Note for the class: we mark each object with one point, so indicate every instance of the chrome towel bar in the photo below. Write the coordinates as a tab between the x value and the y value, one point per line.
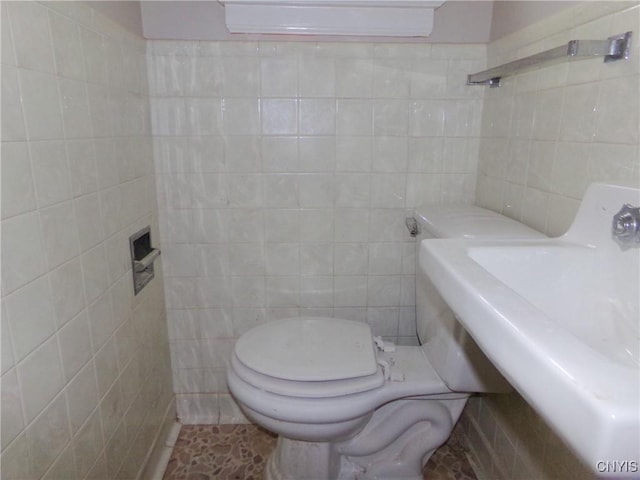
612	49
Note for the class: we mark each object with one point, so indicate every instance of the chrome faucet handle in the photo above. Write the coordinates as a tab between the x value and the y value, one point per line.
625	228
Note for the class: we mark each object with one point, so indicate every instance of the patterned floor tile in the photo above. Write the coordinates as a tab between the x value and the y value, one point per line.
239	452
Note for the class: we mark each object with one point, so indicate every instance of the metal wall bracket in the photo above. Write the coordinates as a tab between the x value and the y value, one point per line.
412	225
142	257
613	49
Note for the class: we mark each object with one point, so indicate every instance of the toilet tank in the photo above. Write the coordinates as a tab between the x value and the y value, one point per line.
450	349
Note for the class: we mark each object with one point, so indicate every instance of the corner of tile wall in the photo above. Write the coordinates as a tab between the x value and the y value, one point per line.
208	409
162	449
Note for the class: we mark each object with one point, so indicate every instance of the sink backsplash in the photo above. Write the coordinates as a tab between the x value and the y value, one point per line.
593	221
618	268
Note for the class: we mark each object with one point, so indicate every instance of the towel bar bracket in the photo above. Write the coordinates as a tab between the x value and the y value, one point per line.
620	46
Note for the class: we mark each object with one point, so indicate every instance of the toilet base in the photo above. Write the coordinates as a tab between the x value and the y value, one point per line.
395	445
298	460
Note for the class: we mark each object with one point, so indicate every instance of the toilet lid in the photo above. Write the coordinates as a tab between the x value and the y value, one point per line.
309	349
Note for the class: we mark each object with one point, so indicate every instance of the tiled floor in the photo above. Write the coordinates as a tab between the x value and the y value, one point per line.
239	452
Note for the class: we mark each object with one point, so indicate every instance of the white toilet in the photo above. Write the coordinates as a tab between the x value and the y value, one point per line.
347	405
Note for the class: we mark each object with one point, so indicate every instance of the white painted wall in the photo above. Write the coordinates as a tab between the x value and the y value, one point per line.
124	13
509	17
455	22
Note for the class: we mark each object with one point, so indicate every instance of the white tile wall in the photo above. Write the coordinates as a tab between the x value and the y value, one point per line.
545	136
284	174
85	379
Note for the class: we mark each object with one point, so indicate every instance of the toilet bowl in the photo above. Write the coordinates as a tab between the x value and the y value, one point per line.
348	405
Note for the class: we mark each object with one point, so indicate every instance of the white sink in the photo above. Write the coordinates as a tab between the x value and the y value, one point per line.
560	319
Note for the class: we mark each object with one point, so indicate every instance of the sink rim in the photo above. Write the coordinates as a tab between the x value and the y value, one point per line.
604	399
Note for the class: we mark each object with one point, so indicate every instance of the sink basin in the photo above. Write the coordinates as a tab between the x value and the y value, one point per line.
560	319
560	281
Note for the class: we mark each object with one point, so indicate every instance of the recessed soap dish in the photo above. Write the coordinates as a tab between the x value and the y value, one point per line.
142	258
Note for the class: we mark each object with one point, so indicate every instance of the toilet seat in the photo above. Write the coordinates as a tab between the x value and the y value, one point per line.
317	389
309	357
